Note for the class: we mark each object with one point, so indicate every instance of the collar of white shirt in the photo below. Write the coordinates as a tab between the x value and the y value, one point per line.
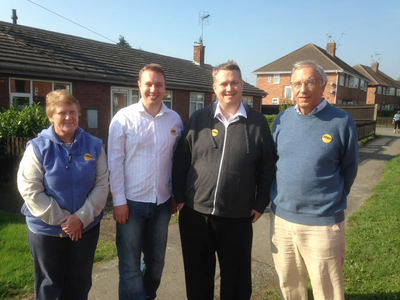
240	112
316	109
142	109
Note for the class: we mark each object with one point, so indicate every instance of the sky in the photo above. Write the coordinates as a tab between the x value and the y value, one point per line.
254	33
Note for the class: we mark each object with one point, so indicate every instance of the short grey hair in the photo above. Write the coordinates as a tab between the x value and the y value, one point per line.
315	65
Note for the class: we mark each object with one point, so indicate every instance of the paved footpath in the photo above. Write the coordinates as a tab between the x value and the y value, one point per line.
373	157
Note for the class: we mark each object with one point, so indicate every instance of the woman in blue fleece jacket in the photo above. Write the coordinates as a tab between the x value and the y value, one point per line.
63	178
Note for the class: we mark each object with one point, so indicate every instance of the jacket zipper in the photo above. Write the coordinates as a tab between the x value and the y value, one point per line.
219	171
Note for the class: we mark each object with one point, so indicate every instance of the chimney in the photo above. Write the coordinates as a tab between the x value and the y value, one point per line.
375	66
198	53
14	16
331	48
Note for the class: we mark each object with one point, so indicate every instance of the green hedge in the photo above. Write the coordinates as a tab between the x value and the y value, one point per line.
26	121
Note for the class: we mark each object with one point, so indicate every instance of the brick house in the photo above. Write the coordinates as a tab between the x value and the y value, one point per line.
102	76
345	85
382	89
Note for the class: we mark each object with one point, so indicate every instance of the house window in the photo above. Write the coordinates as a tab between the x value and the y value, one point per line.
398	92
341	79
351	83
247	100
276	78
356	82
379	90
288	92
196	102
384	90
92	118
275	101
27	91
122	97
346	83
391	91
269	78
167	100
362	84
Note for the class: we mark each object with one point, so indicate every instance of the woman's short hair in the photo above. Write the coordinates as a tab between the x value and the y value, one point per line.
60	96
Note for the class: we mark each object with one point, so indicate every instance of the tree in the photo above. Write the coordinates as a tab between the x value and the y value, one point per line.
122	42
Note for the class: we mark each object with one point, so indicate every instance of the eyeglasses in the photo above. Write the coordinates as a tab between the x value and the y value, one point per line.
310	84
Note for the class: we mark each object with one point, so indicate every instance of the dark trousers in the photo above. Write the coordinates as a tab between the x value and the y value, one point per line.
396	125
202	236
63	268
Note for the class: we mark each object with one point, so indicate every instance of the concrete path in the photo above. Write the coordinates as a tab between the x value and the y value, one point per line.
373	157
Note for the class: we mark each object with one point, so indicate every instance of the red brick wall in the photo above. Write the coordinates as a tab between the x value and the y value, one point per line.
94	95
273	90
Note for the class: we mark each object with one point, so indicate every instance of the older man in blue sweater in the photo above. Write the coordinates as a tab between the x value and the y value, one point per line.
317	159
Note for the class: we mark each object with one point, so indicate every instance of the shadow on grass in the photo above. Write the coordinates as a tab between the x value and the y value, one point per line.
378	296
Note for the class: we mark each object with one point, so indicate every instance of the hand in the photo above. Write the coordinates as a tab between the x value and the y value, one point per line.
72	226
180	206
256	215
173	205
121	213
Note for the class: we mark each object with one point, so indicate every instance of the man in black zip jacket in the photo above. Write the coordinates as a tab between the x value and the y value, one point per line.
223	168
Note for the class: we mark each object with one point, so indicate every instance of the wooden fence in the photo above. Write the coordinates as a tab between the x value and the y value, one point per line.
11	151
365	118
384	121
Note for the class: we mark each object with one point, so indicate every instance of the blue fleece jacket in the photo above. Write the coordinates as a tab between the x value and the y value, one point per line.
317	161
69	174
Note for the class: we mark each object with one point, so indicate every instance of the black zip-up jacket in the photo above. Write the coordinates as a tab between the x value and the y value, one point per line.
226	173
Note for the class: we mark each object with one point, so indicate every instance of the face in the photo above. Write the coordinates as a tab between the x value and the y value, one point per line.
65	119
152	88
228	87
307	88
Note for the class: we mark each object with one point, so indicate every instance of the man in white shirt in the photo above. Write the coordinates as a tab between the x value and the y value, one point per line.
141	143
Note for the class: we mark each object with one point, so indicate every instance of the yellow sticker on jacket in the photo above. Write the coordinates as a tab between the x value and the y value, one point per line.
326	138
214	132
173	131
88	157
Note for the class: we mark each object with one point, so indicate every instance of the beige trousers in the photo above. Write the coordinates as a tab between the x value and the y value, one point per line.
317	250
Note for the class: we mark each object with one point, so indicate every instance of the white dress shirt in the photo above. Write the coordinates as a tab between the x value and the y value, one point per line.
140	153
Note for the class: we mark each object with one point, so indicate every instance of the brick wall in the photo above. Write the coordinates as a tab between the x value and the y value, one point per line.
273	90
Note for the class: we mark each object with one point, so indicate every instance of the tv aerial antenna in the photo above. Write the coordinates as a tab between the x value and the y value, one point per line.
203	20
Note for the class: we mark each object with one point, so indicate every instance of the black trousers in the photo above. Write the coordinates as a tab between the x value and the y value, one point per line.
204	235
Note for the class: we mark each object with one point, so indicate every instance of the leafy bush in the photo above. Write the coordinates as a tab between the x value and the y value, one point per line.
386	113
27	121
270	119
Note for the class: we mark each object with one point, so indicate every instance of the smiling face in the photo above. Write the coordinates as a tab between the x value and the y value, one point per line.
307	88
65	119
152	88
228	87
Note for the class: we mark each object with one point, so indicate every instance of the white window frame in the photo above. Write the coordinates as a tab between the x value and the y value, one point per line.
269	78
392	91
277	78
398	92
379	90
362	87
30	94
198	103
168	102
131	92
288	88
276	100
351	82
356	81
247	100
346	81
341	79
